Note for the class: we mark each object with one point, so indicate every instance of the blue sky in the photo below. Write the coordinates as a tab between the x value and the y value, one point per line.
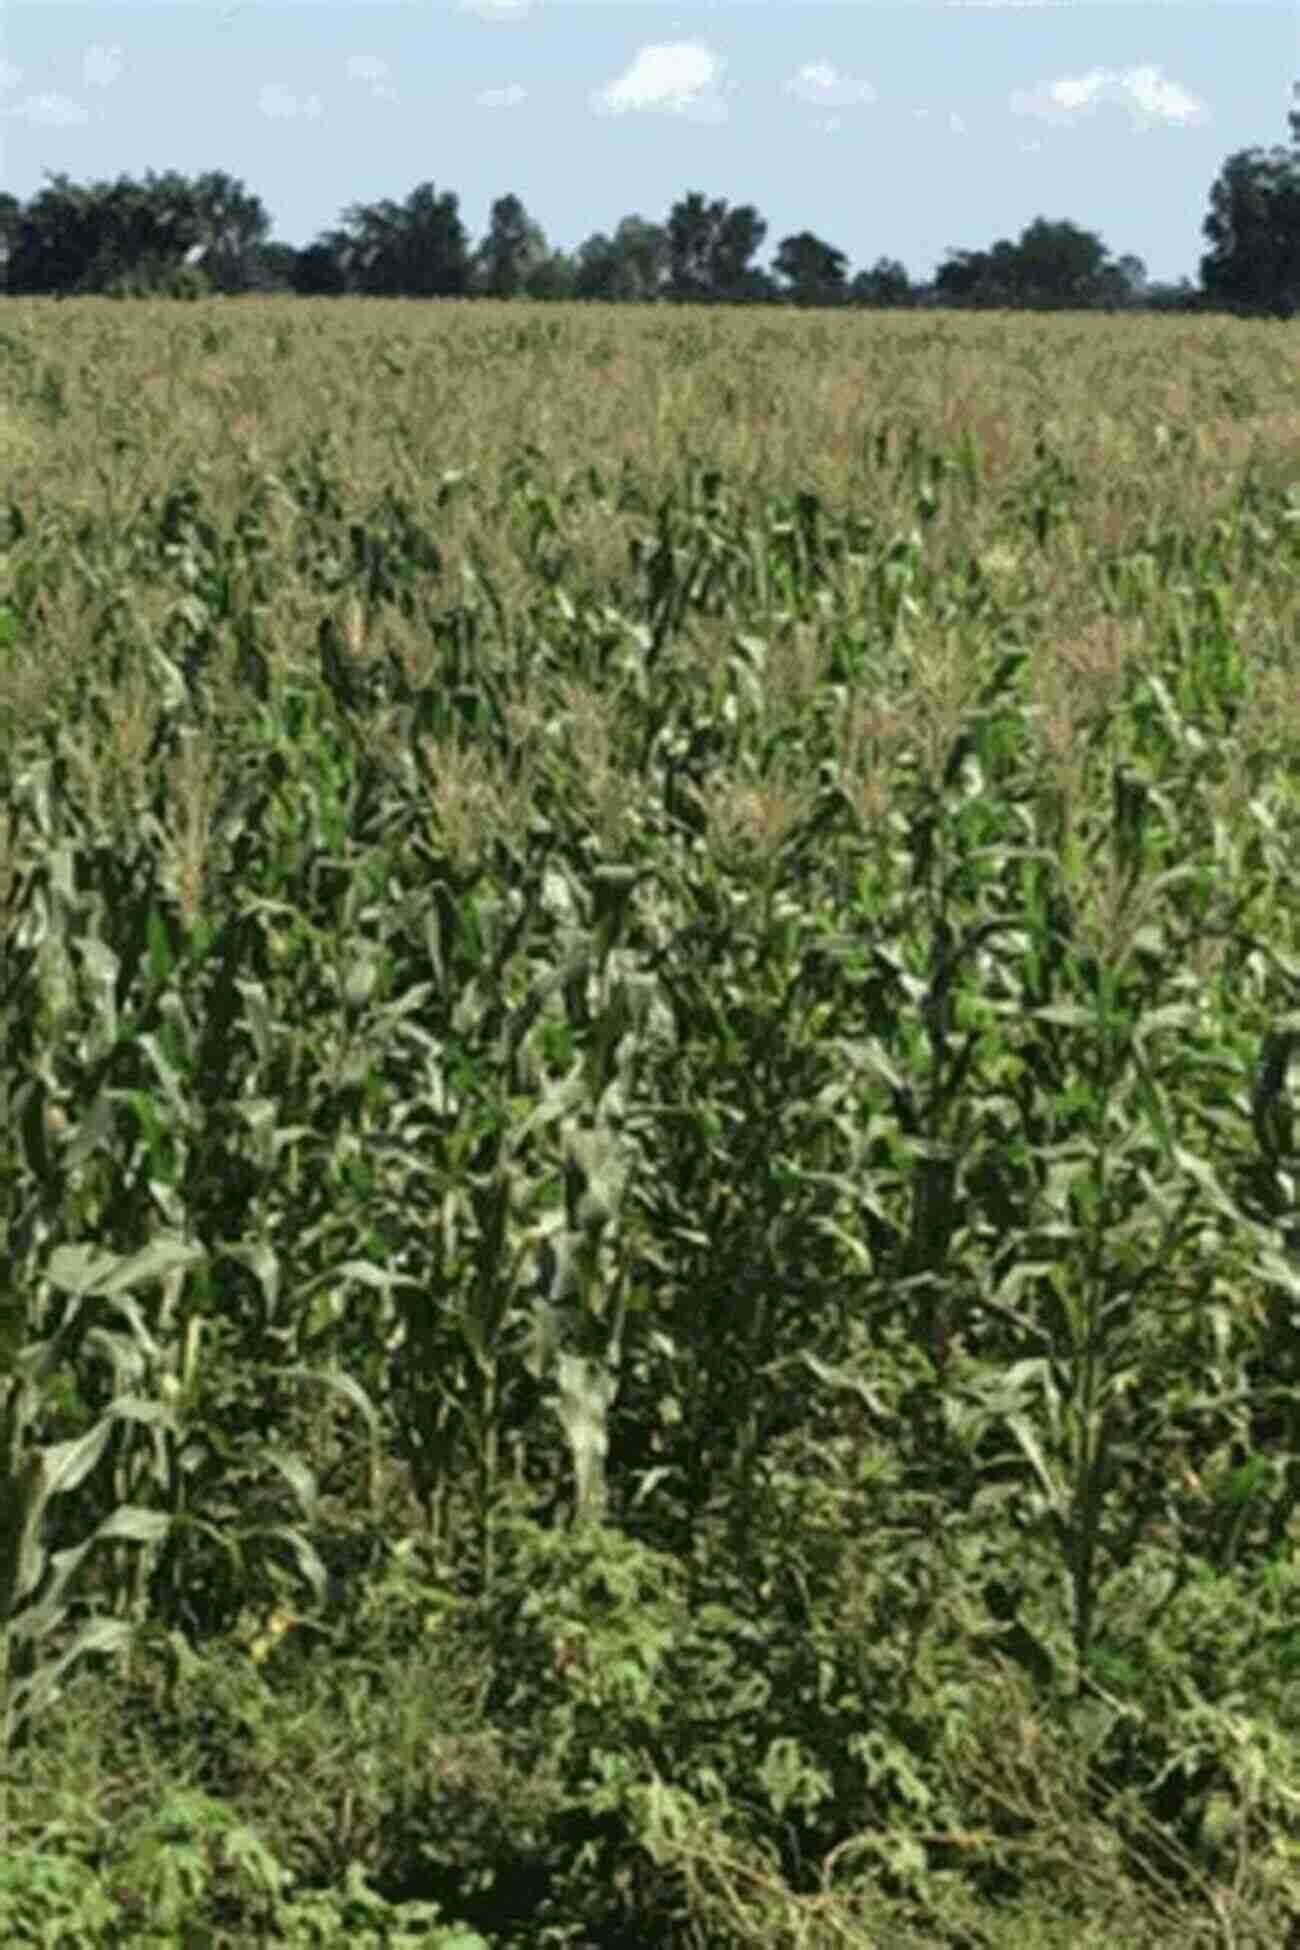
896	131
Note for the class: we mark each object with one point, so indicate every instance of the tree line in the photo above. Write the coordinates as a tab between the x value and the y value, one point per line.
172	235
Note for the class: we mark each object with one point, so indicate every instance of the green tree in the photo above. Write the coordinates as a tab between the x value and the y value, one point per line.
644	249
319	271
145	233
1059	264
974	277
599	272
1253	229
272	267
1121	286
551	277
102	237
709	248
513	245
1052	264
233	228
418	249
10	215
630	267
815	272
885	284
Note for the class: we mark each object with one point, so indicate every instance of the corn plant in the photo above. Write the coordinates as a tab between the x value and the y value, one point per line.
749	1012
37	1586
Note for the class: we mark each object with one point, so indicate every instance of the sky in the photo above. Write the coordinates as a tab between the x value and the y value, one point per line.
903	131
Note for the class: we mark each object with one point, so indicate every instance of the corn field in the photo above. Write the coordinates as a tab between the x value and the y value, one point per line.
647	985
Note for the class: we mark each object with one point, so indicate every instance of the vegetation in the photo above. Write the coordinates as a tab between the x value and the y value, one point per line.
647	1178
182	238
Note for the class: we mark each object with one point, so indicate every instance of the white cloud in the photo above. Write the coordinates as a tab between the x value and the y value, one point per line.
1143	90
497	9
100	66
50	112
279	104
670	78
818	82
501	97
1160	98
10	76
370	68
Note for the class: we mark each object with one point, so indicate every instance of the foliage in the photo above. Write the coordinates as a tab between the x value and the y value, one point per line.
732	1084
132	237
175	237
1253	229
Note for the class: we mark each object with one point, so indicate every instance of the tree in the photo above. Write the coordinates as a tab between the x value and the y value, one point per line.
599	273
1123	285
737	237
966	277
49	239
690	239
1052	264
513	245
318	271
1059	264
643	248
886	283
1180	297
129	237
709	248
272	267
1253	229
1125	281
73	237
415	250
551	277
10	216
815	272
233	227
628	268
144	231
